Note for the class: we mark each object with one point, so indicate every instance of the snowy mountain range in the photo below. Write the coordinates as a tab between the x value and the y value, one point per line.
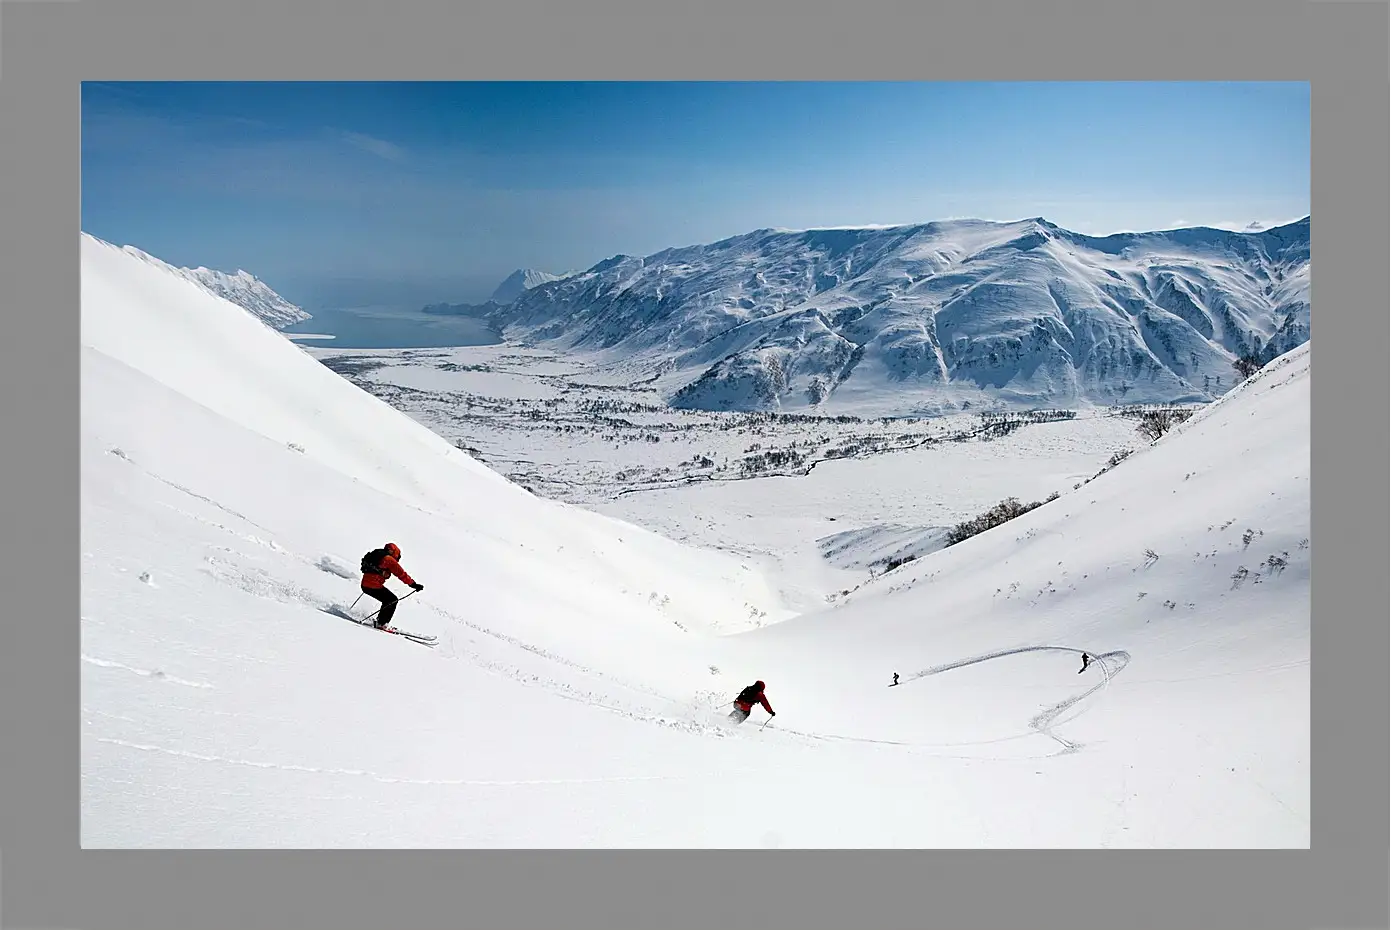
935	317
243	289
924	319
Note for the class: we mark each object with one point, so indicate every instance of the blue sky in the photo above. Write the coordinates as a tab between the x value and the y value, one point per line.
382	193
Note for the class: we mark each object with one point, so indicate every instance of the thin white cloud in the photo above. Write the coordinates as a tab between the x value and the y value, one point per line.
379	147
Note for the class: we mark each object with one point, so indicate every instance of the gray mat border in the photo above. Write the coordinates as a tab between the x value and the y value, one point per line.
47	46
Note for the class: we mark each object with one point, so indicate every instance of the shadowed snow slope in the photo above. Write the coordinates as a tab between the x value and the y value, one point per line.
230	483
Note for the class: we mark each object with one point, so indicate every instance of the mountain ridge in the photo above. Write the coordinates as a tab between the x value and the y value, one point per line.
241	288
520	281
934	316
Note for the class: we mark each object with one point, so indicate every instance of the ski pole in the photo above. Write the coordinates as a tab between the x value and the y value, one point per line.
765	723
354	603
379	609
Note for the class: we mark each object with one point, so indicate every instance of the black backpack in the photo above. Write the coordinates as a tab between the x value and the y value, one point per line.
749	695
372	562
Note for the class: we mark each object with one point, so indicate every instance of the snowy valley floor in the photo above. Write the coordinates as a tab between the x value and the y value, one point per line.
230	483
822	504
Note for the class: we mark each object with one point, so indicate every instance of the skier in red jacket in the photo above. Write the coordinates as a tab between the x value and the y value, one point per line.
377	566
743	704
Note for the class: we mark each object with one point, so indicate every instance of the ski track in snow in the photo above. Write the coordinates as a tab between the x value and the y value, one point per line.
270	544
1043	722
178	487
142	789
155	674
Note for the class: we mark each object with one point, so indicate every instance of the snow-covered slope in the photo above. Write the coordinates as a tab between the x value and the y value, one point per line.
926	318
520	281
243	289
1184	570
229	484
197	393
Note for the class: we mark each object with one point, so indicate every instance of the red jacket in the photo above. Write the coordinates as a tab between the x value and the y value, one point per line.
388	565
762	699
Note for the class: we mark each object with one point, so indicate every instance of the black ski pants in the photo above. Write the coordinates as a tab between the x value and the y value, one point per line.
388	600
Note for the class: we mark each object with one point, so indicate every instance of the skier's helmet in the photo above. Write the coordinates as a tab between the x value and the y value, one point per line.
759	685
393	550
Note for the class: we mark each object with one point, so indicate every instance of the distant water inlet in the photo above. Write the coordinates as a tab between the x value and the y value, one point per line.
390	328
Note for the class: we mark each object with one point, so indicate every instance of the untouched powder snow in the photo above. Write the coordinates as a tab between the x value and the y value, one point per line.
230	483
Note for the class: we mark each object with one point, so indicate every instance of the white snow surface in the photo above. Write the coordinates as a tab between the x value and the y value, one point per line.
230	483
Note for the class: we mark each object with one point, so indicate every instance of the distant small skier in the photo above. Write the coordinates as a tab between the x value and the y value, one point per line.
1086	660
377	566
895	679
743	704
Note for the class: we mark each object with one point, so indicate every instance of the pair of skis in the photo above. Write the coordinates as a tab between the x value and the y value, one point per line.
415	637
422	638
